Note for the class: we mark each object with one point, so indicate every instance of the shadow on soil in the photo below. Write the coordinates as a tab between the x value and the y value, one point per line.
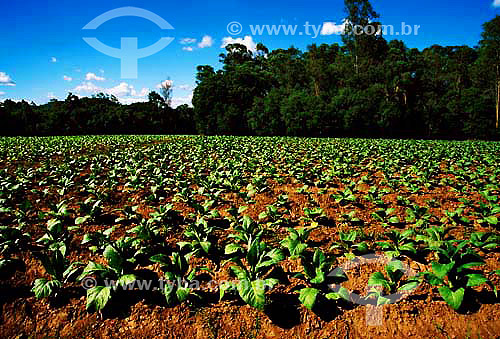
283	310
9	293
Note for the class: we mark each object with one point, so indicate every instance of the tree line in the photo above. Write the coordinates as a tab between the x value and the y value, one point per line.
99	114
365	87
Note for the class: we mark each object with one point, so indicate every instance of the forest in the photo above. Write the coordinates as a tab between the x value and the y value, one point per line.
365	87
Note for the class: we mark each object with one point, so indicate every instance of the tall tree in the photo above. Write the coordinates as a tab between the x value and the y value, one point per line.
490	50
362	32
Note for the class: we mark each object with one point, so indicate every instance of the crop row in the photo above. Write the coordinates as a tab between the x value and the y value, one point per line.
183	207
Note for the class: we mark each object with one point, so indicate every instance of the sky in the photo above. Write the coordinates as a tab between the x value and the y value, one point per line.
43	55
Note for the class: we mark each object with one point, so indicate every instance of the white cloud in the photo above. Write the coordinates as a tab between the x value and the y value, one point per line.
92	76
51	95
165	82
53	59
6	80
187	49
121	90
247	41
177	101
330	28
124	92
87	87
2	93
67	78
143	92
128	101
206	41
188	41
496	3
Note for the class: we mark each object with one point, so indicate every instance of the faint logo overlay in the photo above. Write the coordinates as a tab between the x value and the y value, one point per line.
128	53
234	28
374	310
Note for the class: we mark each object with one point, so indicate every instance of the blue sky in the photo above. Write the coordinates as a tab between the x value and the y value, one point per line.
43	54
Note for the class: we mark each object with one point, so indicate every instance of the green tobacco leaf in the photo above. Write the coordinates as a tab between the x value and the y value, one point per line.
170	293
252	254
384	245
276	255
308	297
408	248
383	301
98	297
183	293
337	273
394	220
205	245
394	266
55	226
378	279
91	269
126	279
476	279
454	299
81	220
363	247
469	265
161	259
492	220
301	247
253	293
232	248
72	270
44	287
113	257
409	286
239	272
441	270
344	293
490	246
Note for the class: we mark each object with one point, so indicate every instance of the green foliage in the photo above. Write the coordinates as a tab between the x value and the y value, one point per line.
317	274
391	283
399	243
12	240
296	241
53	258
117	272
200	234
178	276
205	175
454	272
91	209
251	273
350	245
